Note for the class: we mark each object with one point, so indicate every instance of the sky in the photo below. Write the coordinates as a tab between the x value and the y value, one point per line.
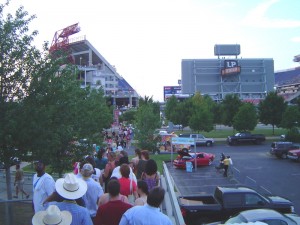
147	40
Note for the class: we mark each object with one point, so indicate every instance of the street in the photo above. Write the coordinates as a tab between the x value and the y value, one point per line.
253	167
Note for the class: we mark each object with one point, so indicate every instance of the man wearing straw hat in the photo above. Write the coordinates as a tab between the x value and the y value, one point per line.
52	216
71	188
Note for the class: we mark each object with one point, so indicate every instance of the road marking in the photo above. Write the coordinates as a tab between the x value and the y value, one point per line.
266	189
251	179
295	174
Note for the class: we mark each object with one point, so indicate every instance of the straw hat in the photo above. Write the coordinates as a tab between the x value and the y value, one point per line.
70	187
52	216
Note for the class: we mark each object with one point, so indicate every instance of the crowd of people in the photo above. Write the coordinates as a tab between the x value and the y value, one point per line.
108	189
120	139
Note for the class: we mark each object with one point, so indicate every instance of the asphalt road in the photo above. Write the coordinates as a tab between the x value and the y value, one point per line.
253	166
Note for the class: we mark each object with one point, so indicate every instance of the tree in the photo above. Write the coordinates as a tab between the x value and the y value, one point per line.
128	116
18	59
246	118
291	117
171	109
271	109
147	120
59	113
183	112
201	118
229	108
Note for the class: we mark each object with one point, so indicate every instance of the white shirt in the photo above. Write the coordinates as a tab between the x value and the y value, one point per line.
97	176
42	187
116	173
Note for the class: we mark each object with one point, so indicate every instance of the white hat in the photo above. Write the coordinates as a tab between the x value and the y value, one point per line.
87	170
70	187
52	216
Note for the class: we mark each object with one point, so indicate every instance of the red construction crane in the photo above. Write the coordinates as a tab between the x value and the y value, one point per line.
61	38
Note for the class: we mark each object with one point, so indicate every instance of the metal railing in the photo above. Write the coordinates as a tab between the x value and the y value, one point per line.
171	203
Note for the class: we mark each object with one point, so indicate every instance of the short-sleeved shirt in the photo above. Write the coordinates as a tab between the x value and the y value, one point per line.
92	195
80	215
43	187
111	212
125	186
144	215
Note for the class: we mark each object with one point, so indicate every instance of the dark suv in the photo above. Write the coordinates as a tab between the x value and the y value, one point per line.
280	149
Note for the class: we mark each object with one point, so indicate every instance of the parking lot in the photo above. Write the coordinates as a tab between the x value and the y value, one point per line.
253	166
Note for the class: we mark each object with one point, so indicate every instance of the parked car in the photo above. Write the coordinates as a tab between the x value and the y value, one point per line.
202	158
294	154
281	148
267	216
245	137
226	202
199	139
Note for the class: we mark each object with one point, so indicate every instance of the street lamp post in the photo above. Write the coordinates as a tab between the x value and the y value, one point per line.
85	76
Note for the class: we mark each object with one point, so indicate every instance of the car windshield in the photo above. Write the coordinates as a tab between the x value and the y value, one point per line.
236	219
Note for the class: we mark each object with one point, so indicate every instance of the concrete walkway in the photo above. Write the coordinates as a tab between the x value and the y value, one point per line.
27	184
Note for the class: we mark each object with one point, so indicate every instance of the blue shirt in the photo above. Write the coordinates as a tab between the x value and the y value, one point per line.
92	195
80	215
144	215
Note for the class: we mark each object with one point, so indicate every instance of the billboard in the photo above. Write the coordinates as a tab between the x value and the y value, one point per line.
230	67
171	90
234	49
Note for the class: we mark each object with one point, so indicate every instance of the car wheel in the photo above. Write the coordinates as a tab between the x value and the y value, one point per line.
208	144
284	156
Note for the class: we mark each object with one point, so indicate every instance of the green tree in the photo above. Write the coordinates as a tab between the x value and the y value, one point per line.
201	118
18	59
128	116
171	109
59	112
229	108
246	118
271	109
183	112
147	120
291	117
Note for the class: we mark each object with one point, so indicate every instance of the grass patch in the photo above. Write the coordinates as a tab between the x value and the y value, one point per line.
224	132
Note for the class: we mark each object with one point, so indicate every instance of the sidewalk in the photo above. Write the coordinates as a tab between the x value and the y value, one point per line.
27	183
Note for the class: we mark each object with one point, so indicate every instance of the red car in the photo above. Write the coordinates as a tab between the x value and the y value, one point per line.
203	159
294	154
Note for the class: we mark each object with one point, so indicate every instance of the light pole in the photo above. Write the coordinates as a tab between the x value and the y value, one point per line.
85	76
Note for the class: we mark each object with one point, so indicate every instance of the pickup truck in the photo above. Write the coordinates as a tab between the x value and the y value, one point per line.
199	139
245	137
226	202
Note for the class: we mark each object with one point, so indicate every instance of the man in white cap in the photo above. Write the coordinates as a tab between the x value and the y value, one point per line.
52	216
71	188
94	190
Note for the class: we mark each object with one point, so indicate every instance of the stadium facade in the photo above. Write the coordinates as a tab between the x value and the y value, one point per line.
251	79
287	84
95	71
